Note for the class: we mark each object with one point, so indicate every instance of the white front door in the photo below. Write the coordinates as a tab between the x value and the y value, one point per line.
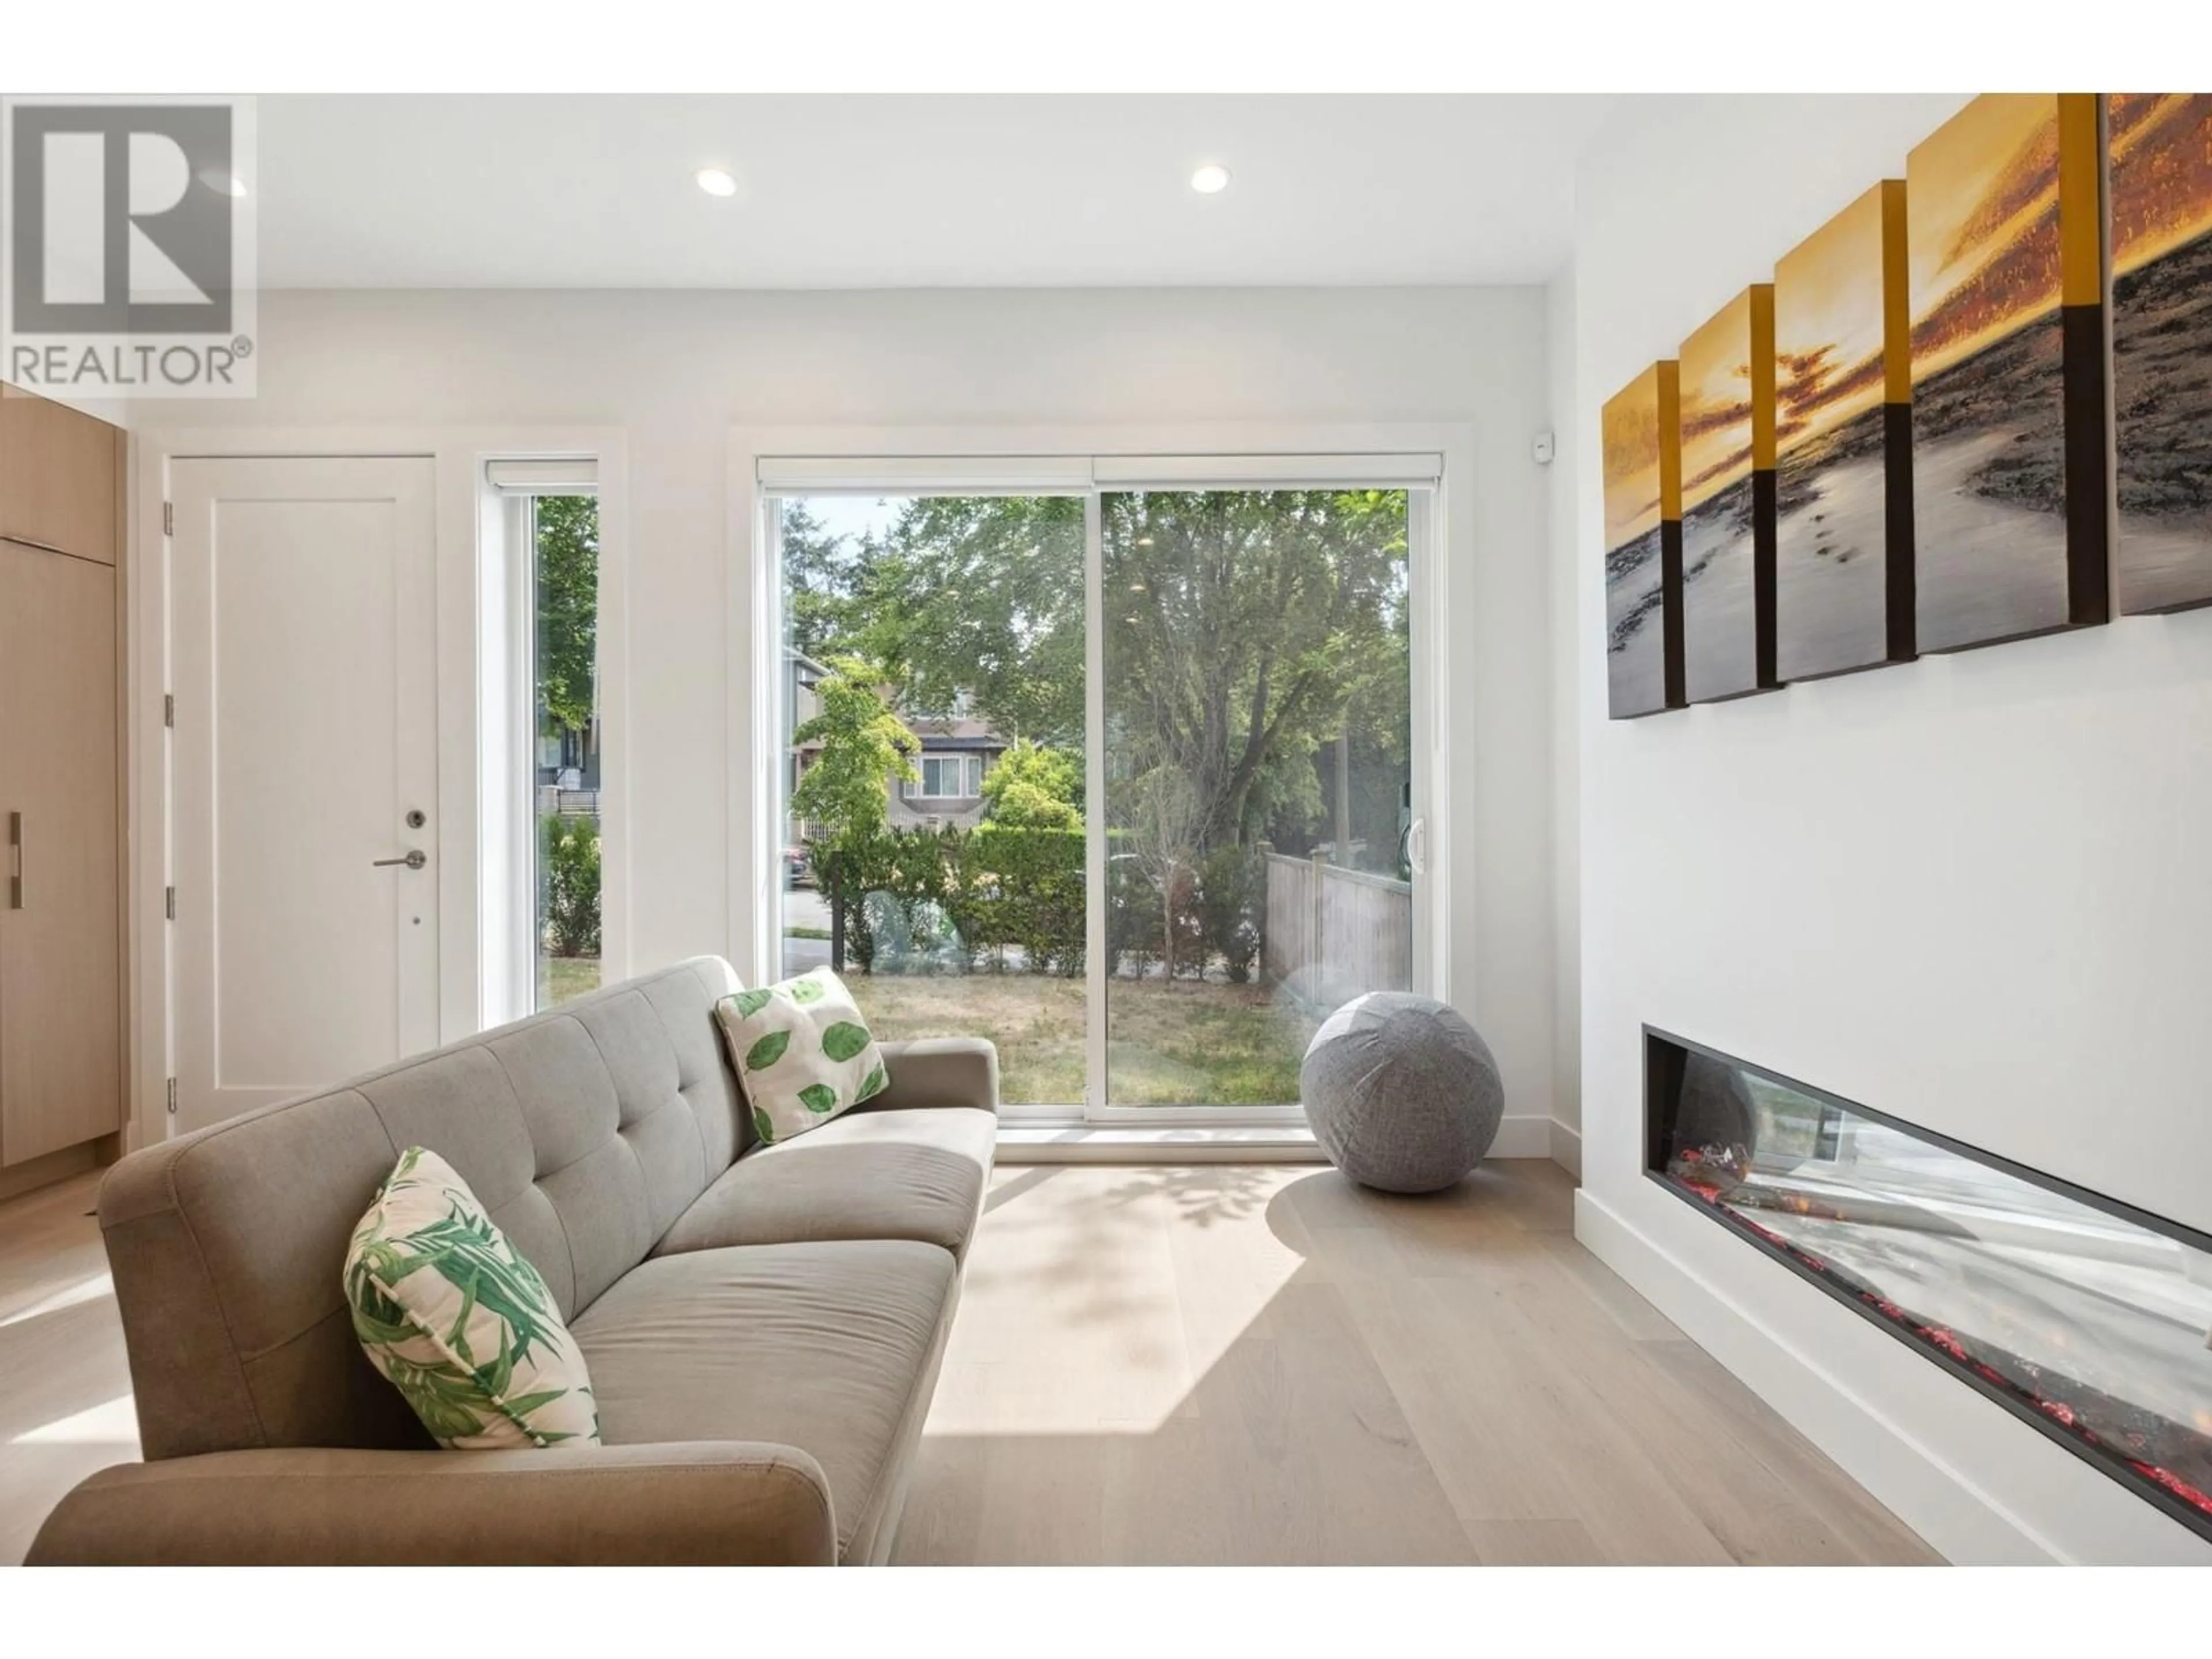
304	783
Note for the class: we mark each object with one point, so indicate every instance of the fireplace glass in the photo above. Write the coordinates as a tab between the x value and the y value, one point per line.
2089	1318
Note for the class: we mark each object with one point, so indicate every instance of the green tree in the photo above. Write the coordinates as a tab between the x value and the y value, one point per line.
568	532
1033	788
820	568
983	594
864	745
1245	631
1242	628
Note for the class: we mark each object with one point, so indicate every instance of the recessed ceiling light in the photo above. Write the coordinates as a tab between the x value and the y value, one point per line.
221	183
716	182
1210	180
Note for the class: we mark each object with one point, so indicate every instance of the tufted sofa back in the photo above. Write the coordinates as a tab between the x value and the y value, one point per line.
585	1131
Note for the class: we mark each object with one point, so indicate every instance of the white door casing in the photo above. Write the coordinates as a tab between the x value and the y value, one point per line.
303	628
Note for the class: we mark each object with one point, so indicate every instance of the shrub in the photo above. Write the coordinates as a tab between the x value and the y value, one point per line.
1231	908
935	900
1032	788
568	885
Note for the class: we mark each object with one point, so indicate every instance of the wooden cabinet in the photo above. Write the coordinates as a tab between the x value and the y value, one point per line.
59	473
62	1095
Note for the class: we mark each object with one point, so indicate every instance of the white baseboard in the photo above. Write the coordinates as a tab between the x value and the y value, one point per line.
1567	1148
1201	1144
1021	1143
1522	1137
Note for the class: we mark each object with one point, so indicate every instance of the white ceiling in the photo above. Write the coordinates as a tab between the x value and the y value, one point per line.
577	191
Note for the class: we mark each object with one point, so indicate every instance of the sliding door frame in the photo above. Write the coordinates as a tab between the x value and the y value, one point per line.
1088	462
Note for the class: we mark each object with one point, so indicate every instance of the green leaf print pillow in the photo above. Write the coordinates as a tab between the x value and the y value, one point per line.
457	1322
802	1052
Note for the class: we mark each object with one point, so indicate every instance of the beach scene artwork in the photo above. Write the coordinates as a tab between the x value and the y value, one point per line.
1843	572
1642	545
2003	234
1726	416
2160	195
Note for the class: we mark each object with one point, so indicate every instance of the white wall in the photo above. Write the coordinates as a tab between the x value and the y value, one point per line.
676	371
1973	891
1566	731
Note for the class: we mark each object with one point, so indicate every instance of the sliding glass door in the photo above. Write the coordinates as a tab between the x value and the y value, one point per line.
1257	724
1124	778
934	716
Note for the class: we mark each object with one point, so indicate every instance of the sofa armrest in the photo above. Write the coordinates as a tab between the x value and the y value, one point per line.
703	1502
939	1072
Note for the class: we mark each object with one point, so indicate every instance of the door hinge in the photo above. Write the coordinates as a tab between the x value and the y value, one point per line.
173	1096
168	518
170	899
168	708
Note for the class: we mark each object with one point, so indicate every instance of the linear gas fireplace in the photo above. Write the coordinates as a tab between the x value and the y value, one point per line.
2087	1317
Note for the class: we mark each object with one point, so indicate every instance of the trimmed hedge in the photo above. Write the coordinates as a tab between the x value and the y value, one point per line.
963	899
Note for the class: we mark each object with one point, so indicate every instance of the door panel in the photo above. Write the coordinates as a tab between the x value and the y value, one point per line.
60	1020
303	631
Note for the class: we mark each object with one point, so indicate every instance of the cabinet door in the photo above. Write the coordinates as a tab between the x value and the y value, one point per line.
61	1036
57	477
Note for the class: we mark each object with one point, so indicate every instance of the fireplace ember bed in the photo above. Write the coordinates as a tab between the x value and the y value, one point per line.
2083	1315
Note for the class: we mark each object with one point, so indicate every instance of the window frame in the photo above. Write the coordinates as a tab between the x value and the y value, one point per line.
511	487
971	769
769	464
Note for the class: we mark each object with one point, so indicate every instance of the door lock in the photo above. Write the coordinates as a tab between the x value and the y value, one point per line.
415	860
417	819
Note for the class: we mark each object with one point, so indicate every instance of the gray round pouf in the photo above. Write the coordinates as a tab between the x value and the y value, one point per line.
1402	1092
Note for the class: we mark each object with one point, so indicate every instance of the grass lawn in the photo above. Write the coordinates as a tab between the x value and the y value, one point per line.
562	978
1167	1045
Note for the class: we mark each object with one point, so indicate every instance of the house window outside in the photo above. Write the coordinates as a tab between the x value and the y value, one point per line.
951	777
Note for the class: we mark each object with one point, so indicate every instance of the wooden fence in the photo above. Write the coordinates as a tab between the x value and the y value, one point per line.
1334	933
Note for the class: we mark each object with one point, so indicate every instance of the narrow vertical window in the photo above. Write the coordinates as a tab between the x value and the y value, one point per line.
565	778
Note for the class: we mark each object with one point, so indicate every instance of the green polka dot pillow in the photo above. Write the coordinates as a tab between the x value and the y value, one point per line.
802	1052
462	1326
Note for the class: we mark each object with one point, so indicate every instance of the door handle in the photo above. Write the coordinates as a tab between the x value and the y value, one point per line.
415	858
15	861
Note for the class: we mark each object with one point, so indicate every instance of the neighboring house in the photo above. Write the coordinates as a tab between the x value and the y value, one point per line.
956	751
569	771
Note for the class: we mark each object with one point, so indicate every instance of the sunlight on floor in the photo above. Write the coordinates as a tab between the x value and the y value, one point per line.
1116	1340
69	1295
112	1422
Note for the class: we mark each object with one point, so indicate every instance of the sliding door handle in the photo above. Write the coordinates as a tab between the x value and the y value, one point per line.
15	861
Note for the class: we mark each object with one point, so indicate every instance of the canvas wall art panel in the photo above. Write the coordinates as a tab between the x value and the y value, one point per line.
1643	545
2003	232
1844	575
1728	500
2161	192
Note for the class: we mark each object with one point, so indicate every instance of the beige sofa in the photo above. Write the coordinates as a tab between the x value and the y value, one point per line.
763	1325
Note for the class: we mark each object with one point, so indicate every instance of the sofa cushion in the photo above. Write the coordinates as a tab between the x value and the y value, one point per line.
456	1321
915	1175
830	1347
802	1052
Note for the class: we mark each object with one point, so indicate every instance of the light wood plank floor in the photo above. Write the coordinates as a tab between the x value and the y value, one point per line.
1219	1364
1252	1364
